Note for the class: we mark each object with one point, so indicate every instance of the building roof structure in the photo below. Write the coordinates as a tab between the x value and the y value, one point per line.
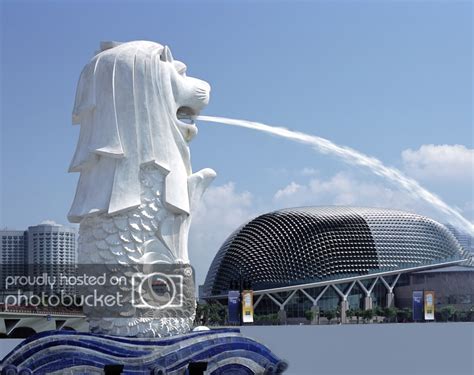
311	244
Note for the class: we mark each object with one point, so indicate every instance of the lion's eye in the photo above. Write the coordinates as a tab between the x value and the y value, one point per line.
180	67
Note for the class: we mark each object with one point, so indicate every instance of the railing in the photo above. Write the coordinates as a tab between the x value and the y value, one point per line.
38	310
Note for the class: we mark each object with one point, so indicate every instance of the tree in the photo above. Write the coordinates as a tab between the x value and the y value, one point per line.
210	314
367	315
358	314
461	316
268	319
350	313
405	314
330	315
447	312
202	314
470	316
217	314
309	314
390	313
379	311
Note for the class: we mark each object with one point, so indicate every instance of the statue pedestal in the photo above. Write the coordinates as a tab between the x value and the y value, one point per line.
222	351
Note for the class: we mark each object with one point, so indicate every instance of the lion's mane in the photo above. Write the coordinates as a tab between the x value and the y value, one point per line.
124	105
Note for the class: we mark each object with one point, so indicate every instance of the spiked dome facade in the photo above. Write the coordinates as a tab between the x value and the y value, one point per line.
310	244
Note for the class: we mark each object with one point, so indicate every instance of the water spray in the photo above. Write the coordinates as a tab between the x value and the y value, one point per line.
354	157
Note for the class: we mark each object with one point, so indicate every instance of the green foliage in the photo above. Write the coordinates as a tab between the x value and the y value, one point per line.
469	315
330	315
447	312
309	314
390	313
269	319
379	311
202	312
462	316
367	315
405	315
217	314
210	314
358	314
350	313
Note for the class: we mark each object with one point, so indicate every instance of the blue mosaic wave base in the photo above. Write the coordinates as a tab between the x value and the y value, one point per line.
226	351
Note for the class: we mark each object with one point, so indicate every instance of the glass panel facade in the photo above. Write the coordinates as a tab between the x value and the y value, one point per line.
329	301
266	306
314	292
367	283
356	297
390	279
298	306
379	294
343	287
282	296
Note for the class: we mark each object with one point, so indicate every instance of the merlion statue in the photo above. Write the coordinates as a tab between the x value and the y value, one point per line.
136	191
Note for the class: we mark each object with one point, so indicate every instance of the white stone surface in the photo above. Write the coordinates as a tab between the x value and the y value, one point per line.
136	192
201	328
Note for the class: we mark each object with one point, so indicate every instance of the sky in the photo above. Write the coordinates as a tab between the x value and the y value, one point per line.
391	79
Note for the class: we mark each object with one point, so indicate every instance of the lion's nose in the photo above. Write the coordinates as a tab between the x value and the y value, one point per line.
201	95
203	85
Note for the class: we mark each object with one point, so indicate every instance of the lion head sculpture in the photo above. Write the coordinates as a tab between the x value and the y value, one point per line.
129	100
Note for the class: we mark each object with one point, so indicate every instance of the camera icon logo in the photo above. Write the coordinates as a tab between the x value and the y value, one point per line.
157	290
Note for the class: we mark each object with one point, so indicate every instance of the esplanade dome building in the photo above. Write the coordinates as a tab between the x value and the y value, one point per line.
354	255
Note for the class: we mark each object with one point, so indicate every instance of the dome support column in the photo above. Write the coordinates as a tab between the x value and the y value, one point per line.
344	305
315	307
368	301
390	297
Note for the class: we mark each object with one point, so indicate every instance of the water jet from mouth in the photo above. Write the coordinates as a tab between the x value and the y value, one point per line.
355	157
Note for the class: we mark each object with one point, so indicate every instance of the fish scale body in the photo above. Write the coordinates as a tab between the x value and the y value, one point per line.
123	239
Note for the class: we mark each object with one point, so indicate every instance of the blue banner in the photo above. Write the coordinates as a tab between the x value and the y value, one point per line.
418	305
233	304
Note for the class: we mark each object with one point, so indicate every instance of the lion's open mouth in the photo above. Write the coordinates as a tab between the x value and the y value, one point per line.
185	120
186	114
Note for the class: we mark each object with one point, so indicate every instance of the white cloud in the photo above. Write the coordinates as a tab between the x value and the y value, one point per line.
221	211
49	222
344	189
288	190
440	162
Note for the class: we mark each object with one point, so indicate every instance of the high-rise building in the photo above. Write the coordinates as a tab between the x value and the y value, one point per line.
51	244
13	254
52	250
44	248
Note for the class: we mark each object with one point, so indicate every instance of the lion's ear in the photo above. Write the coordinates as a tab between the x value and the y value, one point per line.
105	45
166	55
180	67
